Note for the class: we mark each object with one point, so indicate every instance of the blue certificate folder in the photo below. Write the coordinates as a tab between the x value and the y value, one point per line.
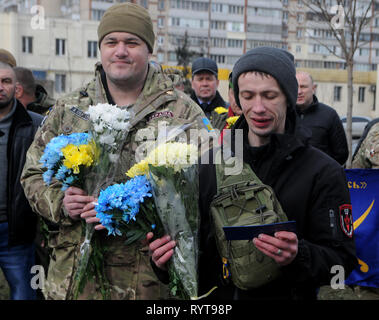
250	232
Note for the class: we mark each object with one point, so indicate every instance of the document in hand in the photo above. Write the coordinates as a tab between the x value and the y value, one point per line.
250	232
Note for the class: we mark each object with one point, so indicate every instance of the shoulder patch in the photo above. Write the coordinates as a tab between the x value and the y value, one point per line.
346	219
43	121
79	113
207	124
162	114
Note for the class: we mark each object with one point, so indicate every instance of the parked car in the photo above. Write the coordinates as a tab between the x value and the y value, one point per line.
358	125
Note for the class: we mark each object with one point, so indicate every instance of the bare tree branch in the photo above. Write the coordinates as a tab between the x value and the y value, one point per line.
357	16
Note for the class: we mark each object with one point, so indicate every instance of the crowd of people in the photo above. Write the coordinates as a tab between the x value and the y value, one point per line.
291	142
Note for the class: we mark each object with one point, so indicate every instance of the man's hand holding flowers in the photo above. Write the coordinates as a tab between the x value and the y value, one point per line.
75	200
161	250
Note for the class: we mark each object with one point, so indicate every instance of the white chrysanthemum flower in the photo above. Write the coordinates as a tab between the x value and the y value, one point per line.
114	157
107	139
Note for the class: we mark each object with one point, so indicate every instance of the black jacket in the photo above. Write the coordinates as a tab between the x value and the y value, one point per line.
21	219
328	134
309	184
217	120
217	101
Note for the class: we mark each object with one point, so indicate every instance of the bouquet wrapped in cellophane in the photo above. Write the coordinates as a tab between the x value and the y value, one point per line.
128	209
109	127
173	174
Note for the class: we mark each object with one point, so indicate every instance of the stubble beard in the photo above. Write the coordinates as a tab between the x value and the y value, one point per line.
5	104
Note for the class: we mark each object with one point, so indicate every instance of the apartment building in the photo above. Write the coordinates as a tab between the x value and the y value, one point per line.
307	39
64	48
220	29
56	39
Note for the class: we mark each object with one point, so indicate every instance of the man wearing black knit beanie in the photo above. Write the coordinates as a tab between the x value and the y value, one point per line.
310	186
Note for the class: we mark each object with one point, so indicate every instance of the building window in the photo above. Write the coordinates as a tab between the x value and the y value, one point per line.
27	44
160	40
92	49
60	83
144	4
285	16
161	5
364	51
160	57
361	94
97	14
218	58
39	75
217	7
337	93
234	43
160	23
172	56
60	47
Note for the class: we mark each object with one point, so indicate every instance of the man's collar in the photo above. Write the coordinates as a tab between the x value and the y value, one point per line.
207	102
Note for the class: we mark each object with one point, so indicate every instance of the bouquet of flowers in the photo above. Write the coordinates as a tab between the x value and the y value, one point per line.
172	172
68	159
128	208
109	126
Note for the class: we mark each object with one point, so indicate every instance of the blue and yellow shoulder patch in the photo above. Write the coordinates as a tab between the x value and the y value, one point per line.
207	124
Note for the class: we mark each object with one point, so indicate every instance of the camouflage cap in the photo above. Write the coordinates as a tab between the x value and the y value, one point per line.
7	57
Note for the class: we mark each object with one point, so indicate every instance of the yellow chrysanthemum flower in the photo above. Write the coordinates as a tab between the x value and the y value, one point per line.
173	154
138	169
74	156
231	120
220	110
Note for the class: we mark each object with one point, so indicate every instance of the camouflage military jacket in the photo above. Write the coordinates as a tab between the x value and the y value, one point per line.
128	268
367	156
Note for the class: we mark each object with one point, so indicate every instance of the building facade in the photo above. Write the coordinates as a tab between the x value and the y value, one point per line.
57	39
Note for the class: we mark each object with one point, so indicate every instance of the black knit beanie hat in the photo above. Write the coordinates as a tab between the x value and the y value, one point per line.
276	62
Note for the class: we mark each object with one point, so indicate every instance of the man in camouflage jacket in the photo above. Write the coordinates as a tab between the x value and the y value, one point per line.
124	57
367	152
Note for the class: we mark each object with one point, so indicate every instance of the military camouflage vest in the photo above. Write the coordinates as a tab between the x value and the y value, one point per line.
367	155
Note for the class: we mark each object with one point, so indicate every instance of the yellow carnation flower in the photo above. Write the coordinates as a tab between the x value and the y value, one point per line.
220	110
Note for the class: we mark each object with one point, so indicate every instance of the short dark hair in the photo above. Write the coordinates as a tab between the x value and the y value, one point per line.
25	77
